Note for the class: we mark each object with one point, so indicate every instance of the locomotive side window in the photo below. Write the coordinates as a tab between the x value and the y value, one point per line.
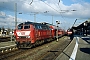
48	28
26	27
44	27
36	26
40	27
20	27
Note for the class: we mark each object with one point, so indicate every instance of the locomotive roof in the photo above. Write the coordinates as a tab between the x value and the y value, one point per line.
26	23
48	24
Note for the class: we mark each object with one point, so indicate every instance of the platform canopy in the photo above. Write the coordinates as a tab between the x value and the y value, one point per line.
85	24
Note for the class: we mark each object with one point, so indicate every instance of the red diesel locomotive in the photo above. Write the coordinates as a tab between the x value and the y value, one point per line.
30	34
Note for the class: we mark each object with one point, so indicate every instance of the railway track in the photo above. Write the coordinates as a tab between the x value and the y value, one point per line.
6	38
14	52
47	51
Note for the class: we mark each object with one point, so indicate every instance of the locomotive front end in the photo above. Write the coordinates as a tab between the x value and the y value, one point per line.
23	35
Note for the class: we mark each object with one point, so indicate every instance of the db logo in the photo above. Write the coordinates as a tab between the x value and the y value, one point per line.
22	33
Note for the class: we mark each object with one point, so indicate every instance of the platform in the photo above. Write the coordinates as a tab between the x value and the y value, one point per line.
78	49
4	46
9	43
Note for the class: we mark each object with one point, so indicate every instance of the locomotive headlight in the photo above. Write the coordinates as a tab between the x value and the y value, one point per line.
28	36
17	37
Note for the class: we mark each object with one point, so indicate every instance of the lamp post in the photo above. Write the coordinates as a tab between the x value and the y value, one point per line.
52	19
58	22
34	13
15	15
51	15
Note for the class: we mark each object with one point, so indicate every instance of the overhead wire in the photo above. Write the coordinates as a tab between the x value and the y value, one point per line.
7	8
51	7
57	4
31	2
57	10
60	10
32	13
35	12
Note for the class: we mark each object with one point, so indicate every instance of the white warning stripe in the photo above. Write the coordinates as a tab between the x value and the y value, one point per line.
23	33
73	55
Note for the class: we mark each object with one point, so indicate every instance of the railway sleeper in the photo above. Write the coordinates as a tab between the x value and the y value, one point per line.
9	49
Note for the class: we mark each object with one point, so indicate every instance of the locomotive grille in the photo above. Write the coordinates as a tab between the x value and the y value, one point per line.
24	36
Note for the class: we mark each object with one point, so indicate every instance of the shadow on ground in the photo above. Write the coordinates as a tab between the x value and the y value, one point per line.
87	39
85	50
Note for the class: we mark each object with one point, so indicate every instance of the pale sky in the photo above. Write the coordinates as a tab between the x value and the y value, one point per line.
61	10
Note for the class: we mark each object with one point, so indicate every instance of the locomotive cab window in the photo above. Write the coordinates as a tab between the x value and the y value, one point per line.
26	26
20	27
